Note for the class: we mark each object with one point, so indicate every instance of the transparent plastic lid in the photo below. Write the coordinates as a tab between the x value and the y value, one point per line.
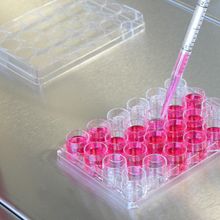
50	40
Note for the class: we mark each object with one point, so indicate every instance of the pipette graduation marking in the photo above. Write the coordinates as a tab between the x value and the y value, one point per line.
185	51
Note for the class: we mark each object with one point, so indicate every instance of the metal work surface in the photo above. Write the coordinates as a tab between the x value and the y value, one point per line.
34	123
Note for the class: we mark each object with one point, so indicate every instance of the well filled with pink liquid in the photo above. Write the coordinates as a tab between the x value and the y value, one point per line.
116	145
154	136
136	133
98	134
155	142
175	112
194	100
175	132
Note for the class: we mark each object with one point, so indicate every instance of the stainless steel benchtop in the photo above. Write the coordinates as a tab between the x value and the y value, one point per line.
33	123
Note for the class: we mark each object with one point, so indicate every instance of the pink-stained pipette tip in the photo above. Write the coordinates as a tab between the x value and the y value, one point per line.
185	52
179	68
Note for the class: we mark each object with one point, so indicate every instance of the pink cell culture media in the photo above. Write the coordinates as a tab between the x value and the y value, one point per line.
134	153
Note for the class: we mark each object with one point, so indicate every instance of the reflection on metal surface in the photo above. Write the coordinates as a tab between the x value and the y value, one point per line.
96	186
32	127
6	203
89	195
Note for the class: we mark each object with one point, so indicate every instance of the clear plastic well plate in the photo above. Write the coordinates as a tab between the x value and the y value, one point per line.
50	40
116	197
134	154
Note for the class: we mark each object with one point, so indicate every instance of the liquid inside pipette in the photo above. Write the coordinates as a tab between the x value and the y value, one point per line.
178	71
185	52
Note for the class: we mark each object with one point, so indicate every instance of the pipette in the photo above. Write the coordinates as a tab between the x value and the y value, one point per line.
185	51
